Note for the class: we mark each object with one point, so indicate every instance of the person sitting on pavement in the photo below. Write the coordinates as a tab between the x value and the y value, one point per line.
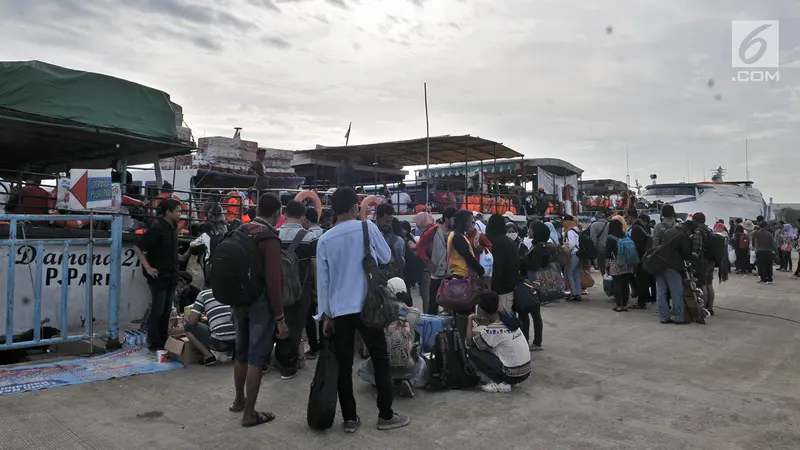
218	334
185	292
406	367
497	348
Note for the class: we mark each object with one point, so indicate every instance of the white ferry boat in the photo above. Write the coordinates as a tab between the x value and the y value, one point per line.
717	199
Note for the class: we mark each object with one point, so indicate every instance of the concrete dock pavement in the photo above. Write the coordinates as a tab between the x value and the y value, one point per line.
605	380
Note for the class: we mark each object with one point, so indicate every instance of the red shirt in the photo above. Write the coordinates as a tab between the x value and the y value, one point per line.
271	254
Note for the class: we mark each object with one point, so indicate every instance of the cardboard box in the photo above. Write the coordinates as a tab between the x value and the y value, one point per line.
181	349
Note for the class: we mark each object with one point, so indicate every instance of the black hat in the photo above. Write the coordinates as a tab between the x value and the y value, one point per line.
568	217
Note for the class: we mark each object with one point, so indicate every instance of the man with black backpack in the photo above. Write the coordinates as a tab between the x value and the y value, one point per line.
598	232
246	275
708	254
299	248
341	291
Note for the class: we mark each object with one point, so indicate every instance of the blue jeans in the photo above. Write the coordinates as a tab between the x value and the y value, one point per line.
670	279
255	331
573	274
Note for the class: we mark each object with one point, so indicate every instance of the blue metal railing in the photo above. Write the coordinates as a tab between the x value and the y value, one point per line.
115	241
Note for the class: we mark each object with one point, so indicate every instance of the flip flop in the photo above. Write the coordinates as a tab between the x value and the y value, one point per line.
261	418
235	408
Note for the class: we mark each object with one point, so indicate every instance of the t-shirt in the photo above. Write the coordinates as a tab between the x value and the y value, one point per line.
511	347
401	200
218	315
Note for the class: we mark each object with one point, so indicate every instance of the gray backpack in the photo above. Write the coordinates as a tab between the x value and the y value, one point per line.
290	264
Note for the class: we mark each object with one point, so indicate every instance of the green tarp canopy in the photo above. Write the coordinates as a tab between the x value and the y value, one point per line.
53	115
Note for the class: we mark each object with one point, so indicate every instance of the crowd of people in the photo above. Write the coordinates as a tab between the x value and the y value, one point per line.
309	279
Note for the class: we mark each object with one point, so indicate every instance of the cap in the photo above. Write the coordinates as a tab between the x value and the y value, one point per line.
396	285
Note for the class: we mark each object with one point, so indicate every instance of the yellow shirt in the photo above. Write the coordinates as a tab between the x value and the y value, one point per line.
458	265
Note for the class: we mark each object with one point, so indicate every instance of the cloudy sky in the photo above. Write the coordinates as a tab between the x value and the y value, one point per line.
574	79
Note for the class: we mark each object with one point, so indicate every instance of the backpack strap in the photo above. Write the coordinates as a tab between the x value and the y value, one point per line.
365	232
298	239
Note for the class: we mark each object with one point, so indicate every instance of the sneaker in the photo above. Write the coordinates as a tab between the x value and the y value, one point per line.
490	388
397	421
405	389
761	282
351	426
288	375
503	387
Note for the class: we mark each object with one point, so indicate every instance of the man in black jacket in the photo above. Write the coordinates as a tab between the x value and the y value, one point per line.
670	280
640	234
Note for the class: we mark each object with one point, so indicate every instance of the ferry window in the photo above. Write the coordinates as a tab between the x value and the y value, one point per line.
670	190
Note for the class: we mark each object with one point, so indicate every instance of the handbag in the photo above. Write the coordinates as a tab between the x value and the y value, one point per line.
550	283
587	280
457	294
526	296
323	393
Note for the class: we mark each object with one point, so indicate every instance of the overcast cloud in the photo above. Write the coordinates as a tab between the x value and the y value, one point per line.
573	79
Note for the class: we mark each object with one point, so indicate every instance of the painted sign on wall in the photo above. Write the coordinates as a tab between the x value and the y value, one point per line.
134	293
86	189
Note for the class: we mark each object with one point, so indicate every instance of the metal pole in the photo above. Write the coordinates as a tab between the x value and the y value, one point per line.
466	171
347	137
90	282
428	146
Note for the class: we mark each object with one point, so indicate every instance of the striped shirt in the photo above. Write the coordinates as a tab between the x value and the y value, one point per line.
511	347
218	315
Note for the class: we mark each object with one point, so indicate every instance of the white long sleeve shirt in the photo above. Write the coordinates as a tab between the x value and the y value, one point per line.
573	240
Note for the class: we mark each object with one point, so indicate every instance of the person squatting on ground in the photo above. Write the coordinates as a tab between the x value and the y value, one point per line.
497	347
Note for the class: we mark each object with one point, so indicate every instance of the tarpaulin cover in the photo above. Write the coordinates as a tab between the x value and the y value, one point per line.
40	89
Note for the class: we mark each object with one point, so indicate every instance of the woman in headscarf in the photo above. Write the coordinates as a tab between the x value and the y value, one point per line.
741	246
505	272
462	258
536	259
424	221
620	275
573	270
553	233
749	227
786	245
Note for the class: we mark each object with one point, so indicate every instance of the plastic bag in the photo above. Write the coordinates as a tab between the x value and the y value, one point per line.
731	256
487	261
752	257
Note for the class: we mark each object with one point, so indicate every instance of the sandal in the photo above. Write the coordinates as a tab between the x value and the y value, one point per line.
261	418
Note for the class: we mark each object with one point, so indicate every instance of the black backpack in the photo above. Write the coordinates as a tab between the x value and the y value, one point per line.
290	265
715	248
586	248
450	368
236	270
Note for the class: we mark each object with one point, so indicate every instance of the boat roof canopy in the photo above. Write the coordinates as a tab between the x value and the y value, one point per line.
54	118
506	168
414	152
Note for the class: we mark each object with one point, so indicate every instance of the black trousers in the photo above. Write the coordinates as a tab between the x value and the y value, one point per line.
161	299
645	284
764	264
287	351
786	260
622	288
344	330
538	324
433	307
313	329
